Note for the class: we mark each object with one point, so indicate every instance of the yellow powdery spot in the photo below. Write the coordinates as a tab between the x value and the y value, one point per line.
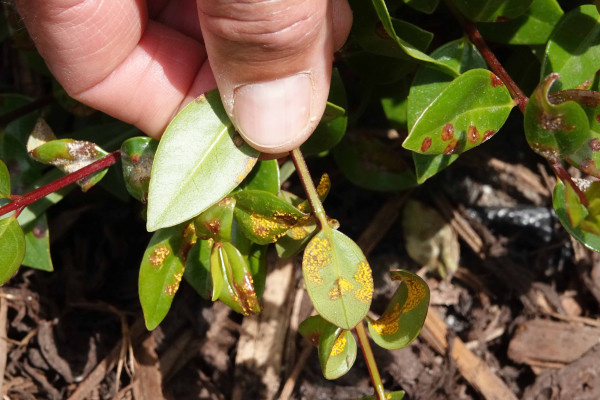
264	227
302	228
339	346
340	287
249	165
388	323
324	185
364	277
416	292
316	256
158	255
172	288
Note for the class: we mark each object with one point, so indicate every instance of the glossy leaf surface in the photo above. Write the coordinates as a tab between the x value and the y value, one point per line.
492	10
264	176
12	248
532	28
4	181
197	268
405	315
70	155
137	155
554	131
338	278
37	241
187	179
161	271
467	112
337	347
573	50
264	217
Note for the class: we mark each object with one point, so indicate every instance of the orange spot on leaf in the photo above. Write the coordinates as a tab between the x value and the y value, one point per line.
447	132
495	80
472	134
488	134
588	166
594	144
426	144
452	147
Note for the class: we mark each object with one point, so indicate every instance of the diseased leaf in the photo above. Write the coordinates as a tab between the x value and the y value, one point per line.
69	156
532	28
264	217
4	181
338	278
37	240
492	10
299	235
467	112
137	155
12	248
199	160
337	347
161	270
404	317
264	176
573	50
215	223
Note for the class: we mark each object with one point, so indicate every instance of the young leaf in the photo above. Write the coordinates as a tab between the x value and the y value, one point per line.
215	222
492	10
573	50
337	347
405	315
426	6
199	160
532	28
323	189
338	278
264	176
197	268
12	248
554	131
37	240
70	155
137	155
257	261
161	270
467	112
264	217
4	181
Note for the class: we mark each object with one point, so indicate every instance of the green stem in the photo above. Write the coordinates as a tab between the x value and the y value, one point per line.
370	359
309	187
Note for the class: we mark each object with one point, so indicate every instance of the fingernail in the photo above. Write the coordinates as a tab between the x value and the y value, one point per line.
271	114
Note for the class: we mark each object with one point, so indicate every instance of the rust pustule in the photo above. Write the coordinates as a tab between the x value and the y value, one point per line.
588	166
447	132
472	134
214	226
495	80
488	134
553	122
594	144
598	117
452	147
426	144
238	140
39	231
135	158
158	255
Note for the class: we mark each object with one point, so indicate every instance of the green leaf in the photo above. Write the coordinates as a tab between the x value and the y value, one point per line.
378	33
405	315
197	268
37	239
69	156
492	10
426	6
33	211
467	112
258	263
18	128
215	222
264	217
573	50
137	155
567	207
199	160
399	395
338	278
337	347
4	181
12	248
554	131
299	235
161	271
264	176
369	163
532	28
23	170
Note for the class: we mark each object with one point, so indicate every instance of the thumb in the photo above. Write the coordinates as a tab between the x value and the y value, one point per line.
272	63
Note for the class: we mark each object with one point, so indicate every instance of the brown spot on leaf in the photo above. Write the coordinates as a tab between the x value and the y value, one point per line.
426	144
447	132
135	158
495	80
553	122
588	166
594	144
598	117
452	147
502	18
380	31
472	134
488	134
39	231
238	140
158	255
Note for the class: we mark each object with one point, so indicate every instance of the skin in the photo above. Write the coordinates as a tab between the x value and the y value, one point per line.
142	60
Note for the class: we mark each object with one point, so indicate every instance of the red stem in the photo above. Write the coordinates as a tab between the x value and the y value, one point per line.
35	195
564	176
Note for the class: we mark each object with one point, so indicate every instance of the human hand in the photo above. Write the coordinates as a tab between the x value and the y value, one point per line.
142	60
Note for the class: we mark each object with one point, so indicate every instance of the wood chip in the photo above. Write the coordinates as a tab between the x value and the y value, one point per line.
147	382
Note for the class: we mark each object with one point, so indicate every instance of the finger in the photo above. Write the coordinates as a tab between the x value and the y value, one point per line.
272	61
107	55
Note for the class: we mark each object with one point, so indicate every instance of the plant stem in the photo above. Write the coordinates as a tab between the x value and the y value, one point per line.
564	176
37	194
473	33
370	359
309	187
